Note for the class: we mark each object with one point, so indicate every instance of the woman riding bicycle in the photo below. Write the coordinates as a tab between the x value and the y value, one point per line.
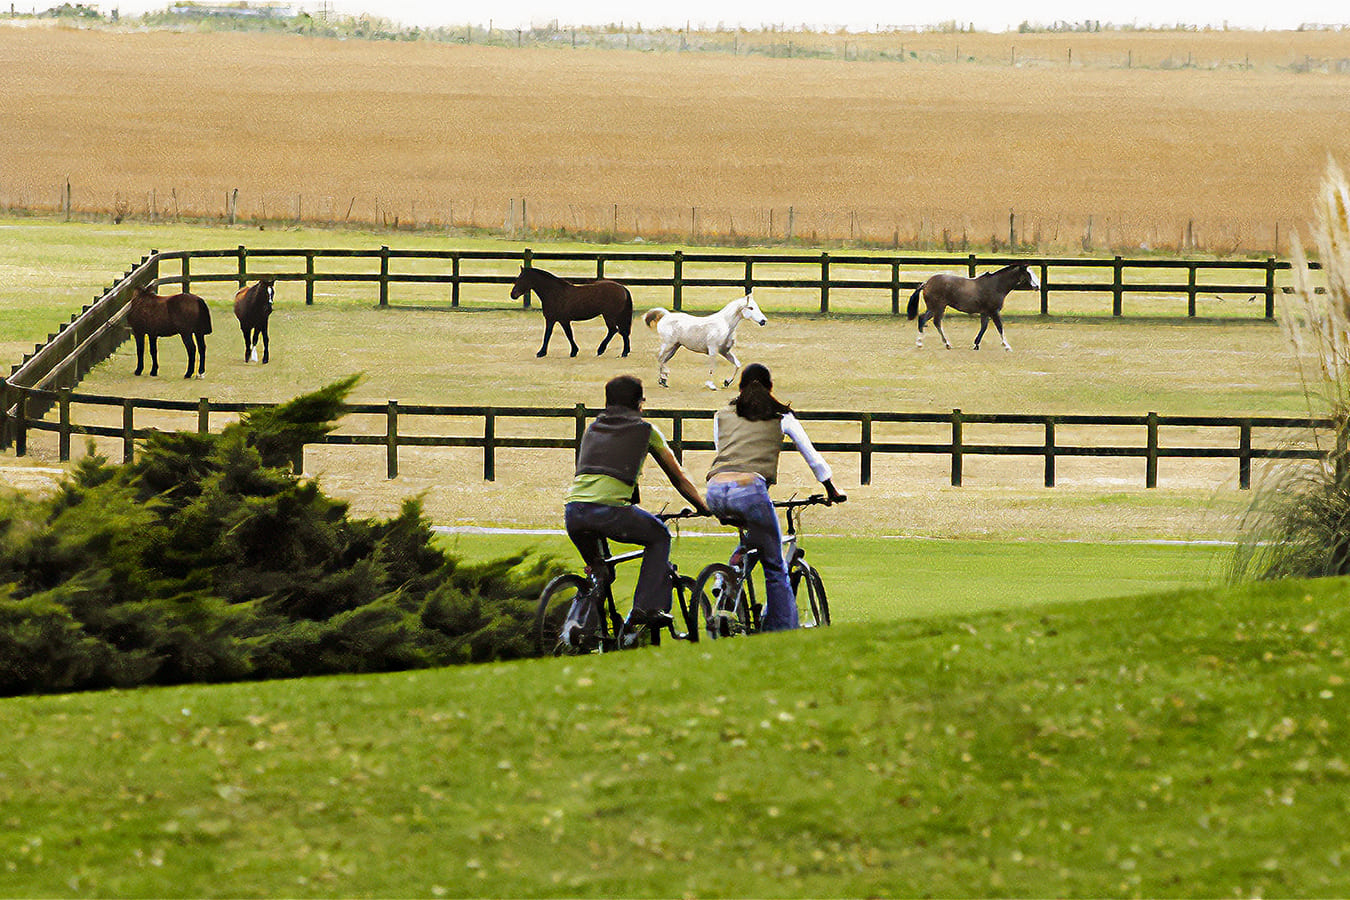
748	435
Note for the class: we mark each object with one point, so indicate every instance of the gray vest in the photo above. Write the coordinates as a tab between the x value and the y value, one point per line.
615	444
746	446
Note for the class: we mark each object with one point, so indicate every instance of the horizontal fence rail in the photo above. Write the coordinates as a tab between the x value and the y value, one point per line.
488	439
885	275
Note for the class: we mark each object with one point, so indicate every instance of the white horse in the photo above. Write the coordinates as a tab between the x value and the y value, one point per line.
712	335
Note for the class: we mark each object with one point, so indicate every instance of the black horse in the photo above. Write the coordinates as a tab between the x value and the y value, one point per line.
153	316
564	303
982	296
252	307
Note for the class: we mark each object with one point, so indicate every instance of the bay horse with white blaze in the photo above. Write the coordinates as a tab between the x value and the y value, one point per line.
252	307
153	316
714	335
982	296
563	303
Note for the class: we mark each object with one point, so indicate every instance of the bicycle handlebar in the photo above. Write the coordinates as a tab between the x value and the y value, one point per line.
686	513
813	500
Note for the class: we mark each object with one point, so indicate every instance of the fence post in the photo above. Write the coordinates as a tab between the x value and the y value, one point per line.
677	436
21	423
63	434
865	446
128	430
1050	451
5	438
243	266
677	281
454	279
749	275
187	275
1117	289
1151	460
489	445
581	427
895	288
599	267
384	276
309	279
391	440
1045	289
1245	454
526	262
1190	290
1270	287
956	448
970	265
203	415
824	283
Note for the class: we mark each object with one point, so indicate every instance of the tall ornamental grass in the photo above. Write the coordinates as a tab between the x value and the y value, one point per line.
1300	525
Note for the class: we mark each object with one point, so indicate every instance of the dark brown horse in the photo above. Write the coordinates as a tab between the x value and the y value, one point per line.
252	307
564	303
153	316
982	296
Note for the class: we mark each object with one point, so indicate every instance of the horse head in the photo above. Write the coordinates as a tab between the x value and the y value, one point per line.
521	285
1026	279
752	311
268	285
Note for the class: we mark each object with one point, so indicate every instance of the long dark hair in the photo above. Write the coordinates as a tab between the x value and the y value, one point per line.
756	401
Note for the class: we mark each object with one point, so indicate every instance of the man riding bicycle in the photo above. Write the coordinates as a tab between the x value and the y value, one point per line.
602	501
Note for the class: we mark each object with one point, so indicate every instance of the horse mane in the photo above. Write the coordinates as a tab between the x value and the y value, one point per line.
548	277
1006	268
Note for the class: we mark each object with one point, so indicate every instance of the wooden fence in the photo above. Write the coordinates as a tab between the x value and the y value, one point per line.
889	276
489	440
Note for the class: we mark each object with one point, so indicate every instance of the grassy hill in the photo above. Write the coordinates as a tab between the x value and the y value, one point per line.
1187	744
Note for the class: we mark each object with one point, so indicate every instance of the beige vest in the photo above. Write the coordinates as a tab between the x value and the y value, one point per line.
747	446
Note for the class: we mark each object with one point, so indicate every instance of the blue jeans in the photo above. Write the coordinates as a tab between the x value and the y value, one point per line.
587	523
750	503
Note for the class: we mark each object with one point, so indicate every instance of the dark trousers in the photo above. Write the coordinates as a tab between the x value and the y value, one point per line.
587	523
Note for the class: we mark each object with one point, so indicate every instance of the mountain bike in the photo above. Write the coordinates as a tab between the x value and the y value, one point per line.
724	596
577	613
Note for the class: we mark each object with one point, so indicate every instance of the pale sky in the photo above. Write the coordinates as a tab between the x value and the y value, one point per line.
856	15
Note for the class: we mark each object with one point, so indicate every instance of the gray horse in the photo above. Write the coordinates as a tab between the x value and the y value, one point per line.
982	296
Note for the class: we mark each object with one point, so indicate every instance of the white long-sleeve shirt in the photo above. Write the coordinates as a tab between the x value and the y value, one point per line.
792	428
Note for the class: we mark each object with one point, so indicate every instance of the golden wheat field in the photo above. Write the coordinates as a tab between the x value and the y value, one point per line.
1087	141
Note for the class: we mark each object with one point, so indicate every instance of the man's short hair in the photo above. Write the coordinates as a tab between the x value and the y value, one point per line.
624	390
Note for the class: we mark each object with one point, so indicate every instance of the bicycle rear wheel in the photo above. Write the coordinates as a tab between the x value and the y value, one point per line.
813	609
560	626
724	614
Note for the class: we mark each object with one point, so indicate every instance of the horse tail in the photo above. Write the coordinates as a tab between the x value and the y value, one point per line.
203	317
627	320
913	309
653	316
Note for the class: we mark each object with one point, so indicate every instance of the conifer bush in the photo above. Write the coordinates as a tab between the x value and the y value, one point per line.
208	560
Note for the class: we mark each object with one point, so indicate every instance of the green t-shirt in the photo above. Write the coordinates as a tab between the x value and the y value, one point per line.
606	489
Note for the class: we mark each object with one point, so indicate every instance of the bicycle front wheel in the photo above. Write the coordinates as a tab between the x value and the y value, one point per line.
720	598
813	609
560	622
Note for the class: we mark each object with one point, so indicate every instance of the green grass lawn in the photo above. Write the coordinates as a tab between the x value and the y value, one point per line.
1183	744
884	580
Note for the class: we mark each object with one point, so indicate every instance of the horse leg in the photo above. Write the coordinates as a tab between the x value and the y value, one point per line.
624	328
265	345
567	330
662	357
154	355
736	363
548	332
924	317
201	355
984	323
609	333
191	353
937	323
712	366
140	353
998	323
